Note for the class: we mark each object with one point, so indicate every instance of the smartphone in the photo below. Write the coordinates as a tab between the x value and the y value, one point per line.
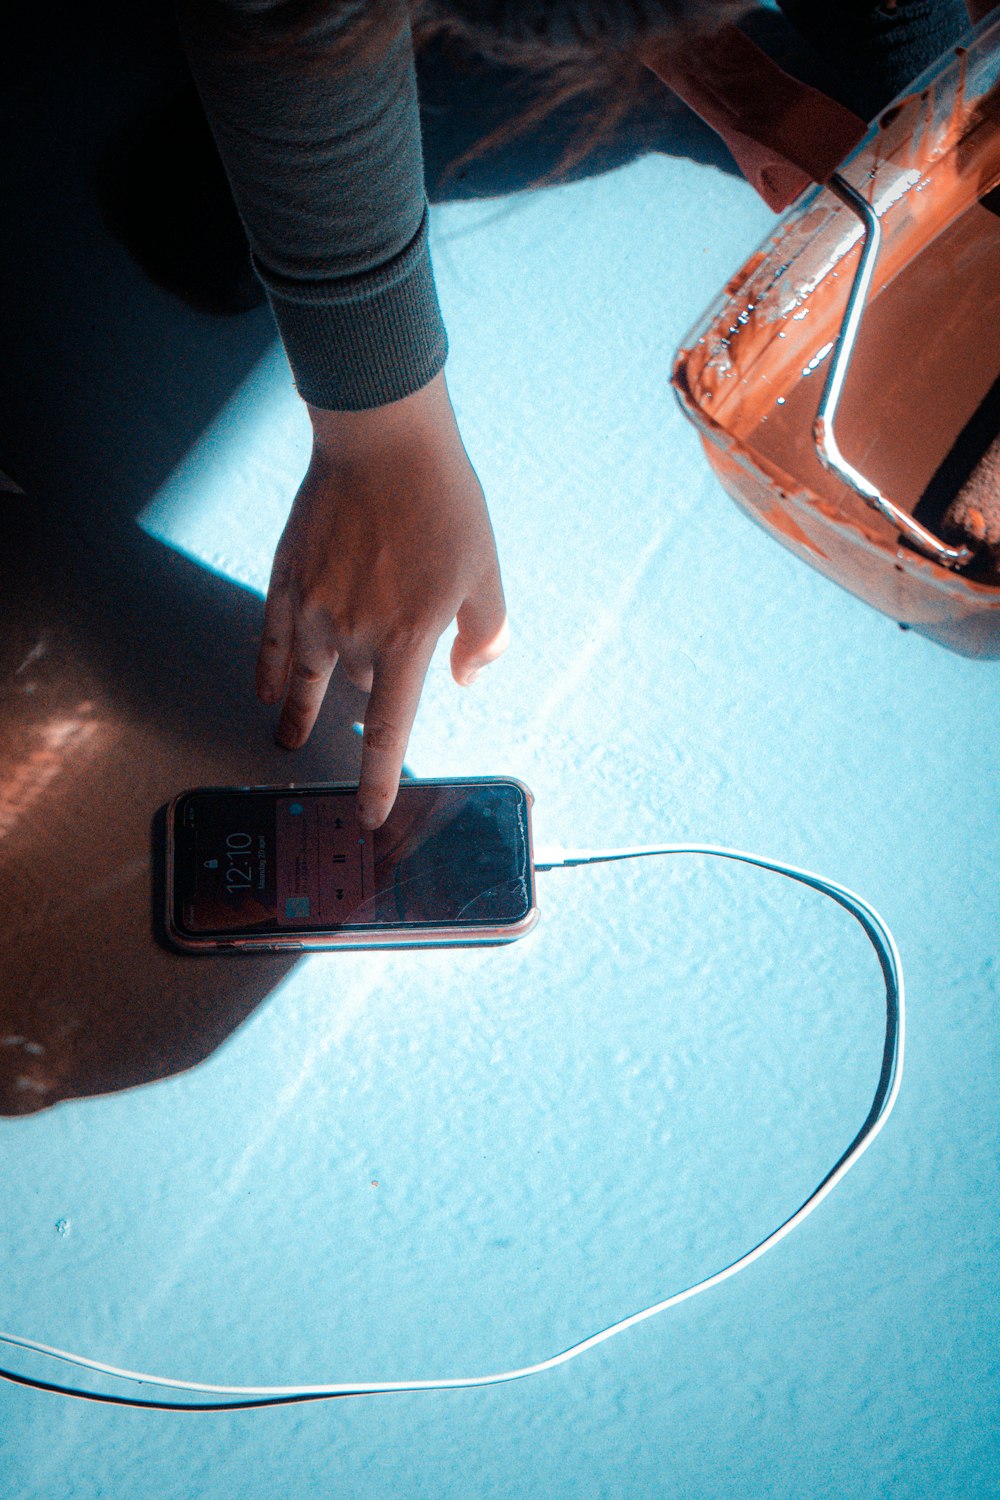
253	869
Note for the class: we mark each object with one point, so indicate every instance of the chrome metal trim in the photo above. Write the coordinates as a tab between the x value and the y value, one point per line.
823	428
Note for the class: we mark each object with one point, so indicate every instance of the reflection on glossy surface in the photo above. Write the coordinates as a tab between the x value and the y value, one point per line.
57	742
100	728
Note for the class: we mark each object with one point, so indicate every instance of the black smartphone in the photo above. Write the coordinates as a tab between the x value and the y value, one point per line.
289	867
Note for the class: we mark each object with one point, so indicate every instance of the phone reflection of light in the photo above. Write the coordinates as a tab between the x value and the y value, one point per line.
27	779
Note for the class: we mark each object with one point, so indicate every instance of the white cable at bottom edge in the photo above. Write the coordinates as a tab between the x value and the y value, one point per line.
885	1097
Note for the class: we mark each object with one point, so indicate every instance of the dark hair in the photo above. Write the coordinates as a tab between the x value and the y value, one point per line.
580	53
586	55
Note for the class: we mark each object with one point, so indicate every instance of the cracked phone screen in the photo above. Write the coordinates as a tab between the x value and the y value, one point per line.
260	861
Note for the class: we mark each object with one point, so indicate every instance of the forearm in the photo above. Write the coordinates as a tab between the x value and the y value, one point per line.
322	148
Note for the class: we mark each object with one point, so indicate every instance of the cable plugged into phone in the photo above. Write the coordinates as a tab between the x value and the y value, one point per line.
230	1398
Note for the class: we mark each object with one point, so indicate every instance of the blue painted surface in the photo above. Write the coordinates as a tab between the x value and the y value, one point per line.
446	1163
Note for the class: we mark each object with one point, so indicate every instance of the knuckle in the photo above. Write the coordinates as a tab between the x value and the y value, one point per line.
347	628
383	736
331	622
358	674
404	637
314	609
307	675
311	597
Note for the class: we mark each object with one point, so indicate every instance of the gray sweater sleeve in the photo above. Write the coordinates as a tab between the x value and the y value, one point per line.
321	144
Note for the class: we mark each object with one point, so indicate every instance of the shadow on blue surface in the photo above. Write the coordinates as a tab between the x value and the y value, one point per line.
127	669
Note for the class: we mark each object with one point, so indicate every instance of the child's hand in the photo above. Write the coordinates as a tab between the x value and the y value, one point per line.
388	541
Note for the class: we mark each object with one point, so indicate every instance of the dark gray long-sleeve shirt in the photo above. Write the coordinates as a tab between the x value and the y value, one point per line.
320	137
325	164
324	157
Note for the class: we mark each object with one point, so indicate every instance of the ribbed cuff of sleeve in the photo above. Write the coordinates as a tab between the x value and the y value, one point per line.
365	340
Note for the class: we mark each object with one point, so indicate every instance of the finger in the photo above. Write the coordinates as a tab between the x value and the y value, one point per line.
392	707
357	668
483	632
275	645
308	680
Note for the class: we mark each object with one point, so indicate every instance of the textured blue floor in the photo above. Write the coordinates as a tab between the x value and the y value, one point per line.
436	1164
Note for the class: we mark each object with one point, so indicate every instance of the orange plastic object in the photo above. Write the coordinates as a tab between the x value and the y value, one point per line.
927	359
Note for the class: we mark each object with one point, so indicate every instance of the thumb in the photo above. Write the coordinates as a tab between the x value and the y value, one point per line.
483	632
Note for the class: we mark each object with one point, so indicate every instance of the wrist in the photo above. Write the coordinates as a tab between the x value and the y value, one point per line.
421	411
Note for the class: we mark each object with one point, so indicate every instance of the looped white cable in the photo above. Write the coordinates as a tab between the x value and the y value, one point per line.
241	1397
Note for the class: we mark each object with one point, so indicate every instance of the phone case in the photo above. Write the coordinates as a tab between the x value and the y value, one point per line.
443	936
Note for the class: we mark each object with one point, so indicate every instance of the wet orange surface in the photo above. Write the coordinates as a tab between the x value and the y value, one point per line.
927	360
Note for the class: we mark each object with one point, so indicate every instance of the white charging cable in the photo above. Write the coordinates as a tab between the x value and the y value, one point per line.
241	1397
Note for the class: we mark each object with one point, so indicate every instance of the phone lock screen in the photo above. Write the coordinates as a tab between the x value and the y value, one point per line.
296	860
